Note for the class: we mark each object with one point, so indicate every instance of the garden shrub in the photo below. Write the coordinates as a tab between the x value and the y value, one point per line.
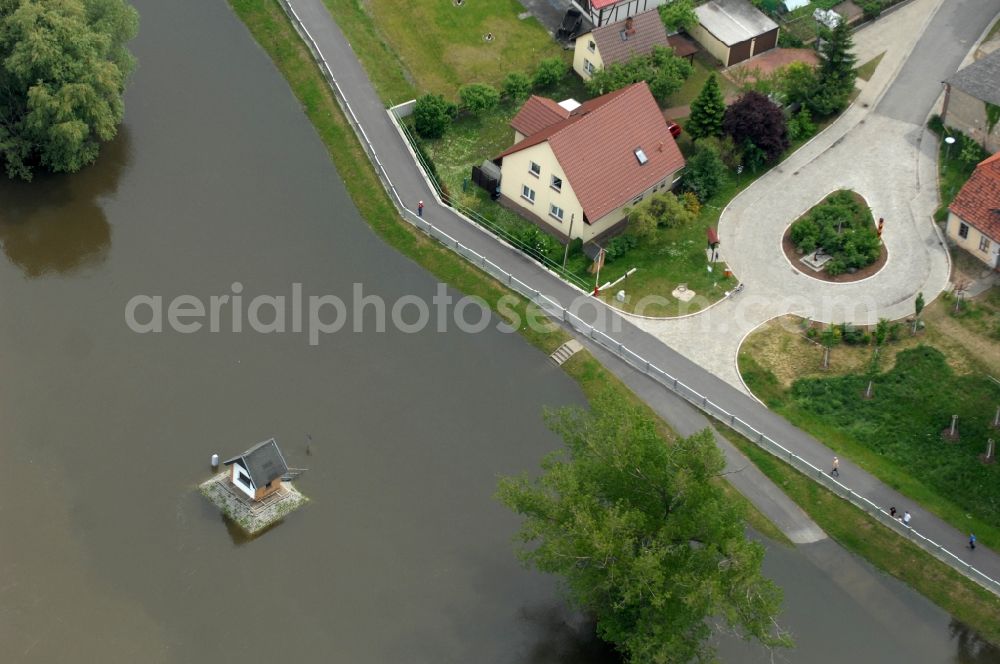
705	172
516	86
843	228
477	98
549	72
533	239
619	246
801	126
432	115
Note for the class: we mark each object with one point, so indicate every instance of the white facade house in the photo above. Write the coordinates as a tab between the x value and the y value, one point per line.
258	471
576	172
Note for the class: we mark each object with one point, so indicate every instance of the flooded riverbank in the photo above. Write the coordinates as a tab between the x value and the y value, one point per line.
110	554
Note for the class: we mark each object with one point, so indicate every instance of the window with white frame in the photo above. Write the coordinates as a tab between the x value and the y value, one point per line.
637	199
963	230
591	46
556	212
984	243
556	183
588	66
528	193
535	169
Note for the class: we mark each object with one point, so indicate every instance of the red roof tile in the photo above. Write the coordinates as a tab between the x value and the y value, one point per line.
537	114
978	202
647	32
596	148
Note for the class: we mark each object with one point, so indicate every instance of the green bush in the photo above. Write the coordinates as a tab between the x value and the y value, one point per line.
705	172
661	69
871	8
801	126
477	98
533	240
619	246
788	40
844	228
516	86
549	72
432	115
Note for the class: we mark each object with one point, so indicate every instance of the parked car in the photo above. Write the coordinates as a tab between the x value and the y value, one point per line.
675	129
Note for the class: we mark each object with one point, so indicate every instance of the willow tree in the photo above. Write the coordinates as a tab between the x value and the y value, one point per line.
63	68
643	536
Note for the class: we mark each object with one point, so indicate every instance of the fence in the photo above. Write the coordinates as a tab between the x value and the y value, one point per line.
558	312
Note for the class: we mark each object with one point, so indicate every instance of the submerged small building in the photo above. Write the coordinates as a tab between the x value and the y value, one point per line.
258	471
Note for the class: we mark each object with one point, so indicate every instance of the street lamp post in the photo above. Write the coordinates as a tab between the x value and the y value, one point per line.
950	140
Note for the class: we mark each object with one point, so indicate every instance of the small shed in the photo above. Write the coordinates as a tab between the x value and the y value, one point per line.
734	30
258	471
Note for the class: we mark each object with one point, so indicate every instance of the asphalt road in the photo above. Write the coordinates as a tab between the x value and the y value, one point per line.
951	33
408	181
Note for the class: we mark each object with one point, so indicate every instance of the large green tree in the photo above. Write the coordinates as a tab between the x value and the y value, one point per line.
642	535
758	125
663	71
678	15
707	110
63	67
835	80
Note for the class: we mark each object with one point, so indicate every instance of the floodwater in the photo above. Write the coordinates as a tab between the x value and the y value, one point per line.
109	554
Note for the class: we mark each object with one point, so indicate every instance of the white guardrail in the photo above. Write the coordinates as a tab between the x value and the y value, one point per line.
557	311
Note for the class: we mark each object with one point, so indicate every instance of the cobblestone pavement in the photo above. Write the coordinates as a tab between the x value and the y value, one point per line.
878	148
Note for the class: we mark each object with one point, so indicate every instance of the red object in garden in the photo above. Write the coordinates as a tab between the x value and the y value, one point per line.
713	237
674	128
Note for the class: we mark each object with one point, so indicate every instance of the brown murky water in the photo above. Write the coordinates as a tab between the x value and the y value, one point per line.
108	553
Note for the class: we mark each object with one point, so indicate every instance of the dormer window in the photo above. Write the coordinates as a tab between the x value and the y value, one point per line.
641	156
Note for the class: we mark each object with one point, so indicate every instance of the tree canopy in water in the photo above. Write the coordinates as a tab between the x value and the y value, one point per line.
63	68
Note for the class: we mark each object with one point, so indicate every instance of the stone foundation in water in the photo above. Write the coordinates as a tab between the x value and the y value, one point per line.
251	515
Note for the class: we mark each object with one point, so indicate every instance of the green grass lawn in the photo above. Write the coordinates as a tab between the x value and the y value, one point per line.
897	435
704	64
441	46
866	70
858	532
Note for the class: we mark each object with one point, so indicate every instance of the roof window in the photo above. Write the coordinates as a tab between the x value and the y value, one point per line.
641	156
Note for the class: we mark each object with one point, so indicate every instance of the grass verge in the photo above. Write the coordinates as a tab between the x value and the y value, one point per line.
443	46
272	30
896	435
861	534
866	70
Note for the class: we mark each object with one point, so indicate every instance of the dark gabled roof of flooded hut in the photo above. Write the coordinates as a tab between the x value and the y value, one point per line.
263	461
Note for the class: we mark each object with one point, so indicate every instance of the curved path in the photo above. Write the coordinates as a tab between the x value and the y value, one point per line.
878	148
409	182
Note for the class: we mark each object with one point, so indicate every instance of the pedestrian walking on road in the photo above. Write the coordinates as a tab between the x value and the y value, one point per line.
420	209
972	541
892	511
906	518
836	467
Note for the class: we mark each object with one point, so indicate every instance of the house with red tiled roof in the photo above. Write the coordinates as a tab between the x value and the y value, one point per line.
575	170
617	43
974	215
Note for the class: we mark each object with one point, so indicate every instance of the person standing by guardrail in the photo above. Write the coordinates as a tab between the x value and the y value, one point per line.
420	208
836	468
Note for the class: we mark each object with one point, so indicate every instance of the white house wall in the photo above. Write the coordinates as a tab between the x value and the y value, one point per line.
239	471
516	173
582	53
710	43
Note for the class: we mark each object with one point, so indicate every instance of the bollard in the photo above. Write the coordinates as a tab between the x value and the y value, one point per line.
215	462
954	420
996	419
